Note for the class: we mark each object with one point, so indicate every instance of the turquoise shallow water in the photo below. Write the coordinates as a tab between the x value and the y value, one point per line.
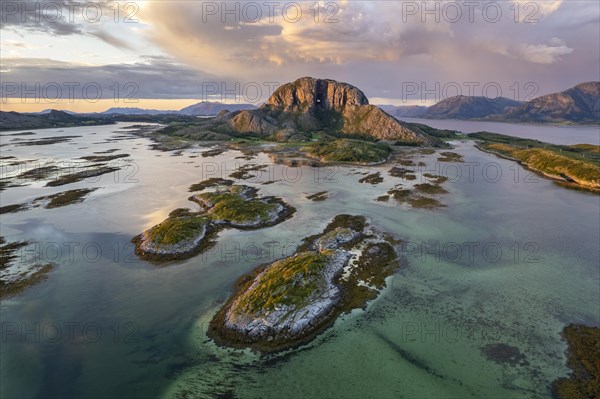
511	260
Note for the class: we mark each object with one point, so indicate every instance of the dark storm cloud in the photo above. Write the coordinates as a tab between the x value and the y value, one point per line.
62	18
155	77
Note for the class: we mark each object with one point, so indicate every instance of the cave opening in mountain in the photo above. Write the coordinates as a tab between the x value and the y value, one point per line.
321	95
320	100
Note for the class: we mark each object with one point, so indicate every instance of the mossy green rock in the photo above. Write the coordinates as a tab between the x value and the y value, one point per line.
186	233
238	206
349	151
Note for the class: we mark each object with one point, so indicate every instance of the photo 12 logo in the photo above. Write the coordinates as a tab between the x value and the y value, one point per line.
252	12
69	12
68	332
437	91
237	92
54	92
453	12
472	252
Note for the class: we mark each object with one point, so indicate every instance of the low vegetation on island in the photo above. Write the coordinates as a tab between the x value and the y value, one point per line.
186	233
349	151
238	206
292	300
577	166
583	358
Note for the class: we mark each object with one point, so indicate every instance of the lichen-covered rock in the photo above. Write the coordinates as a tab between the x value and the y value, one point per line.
336	238
293	299
179	236
307	298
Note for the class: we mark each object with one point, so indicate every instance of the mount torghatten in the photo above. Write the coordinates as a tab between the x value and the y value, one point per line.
308	105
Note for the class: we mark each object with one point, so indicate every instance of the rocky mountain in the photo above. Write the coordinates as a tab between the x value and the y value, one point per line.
213	108
298	109
578	104
469	107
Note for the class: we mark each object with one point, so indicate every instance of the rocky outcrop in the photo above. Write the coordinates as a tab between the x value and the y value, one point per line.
371	121
310	95
254	122
292	300
288	319
583	358
298	109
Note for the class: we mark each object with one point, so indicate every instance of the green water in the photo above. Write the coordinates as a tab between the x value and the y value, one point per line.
422	338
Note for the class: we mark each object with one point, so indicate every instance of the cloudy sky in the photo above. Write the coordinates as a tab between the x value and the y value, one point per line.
168	54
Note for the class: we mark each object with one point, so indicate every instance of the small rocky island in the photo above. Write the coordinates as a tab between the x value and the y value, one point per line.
289	302
186	233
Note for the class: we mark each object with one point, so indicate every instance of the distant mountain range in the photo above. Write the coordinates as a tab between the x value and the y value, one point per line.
579	104
204	108
55	119
136	111
463	107
408	111
213	108
52	118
